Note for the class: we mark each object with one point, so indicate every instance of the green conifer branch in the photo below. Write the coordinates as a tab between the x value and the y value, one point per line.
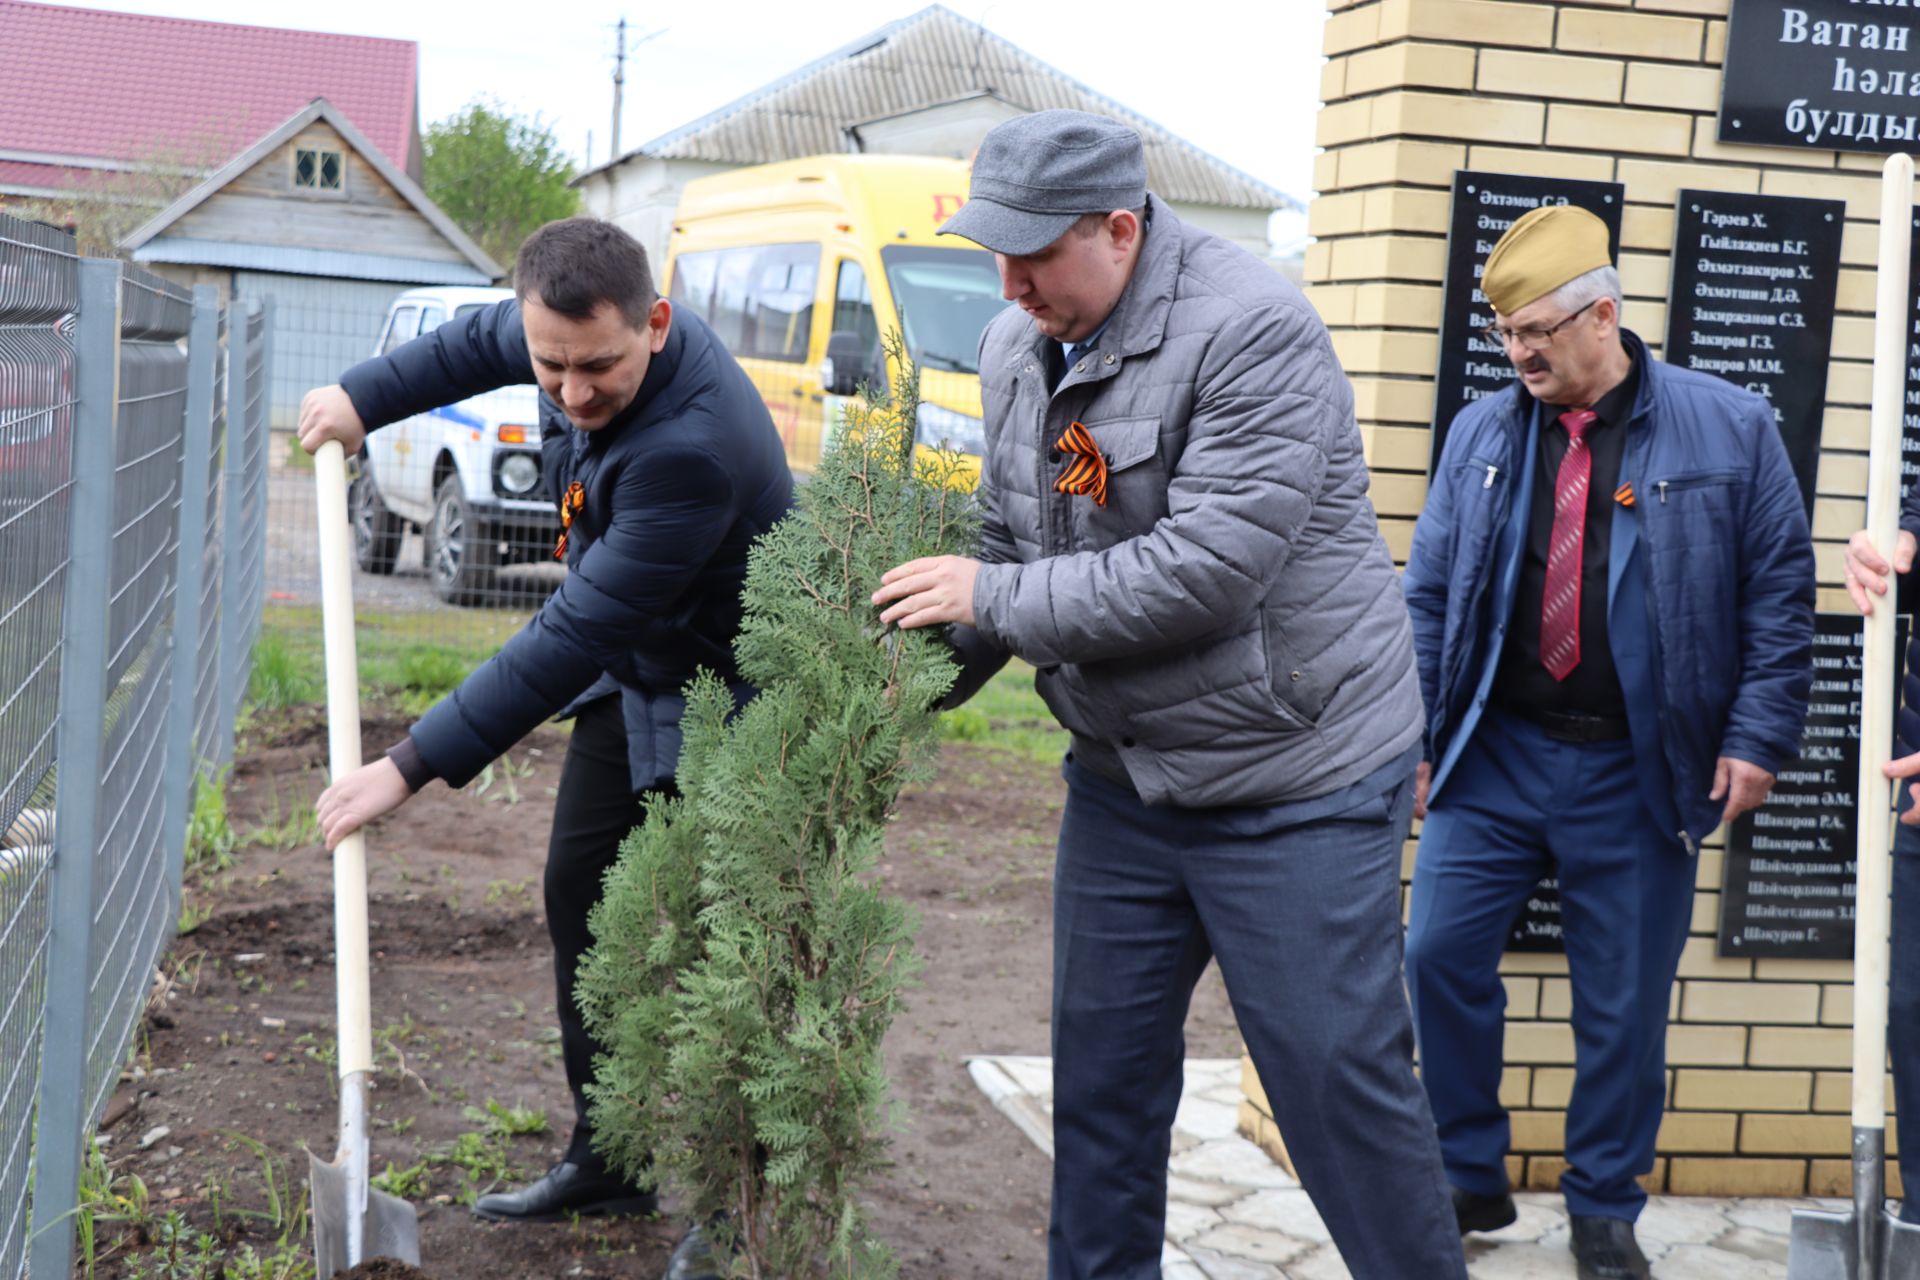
746	969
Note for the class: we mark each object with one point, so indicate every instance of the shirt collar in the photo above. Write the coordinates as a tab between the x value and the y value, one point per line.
1090	341
1616	405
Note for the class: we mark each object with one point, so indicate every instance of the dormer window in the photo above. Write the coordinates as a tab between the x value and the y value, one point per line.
315	169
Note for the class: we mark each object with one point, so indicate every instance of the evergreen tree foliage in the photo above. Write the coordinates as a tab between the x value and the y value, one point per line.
745	966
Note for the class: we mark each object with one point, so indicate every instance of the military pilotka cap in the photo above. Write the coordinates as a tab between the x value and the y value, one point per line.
1036	175
1542	250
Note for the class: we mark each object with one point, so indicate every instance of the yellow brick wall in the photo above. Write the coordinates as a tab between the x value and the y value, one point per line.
1622	91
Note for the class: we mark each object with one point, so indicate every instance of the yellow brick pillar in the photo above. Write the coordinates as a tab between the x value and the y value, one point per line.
1618	91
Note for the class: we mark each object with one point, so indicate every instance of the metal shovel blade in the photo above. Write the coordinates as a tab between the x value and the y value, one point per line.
353	1220
390	1228
1826	1246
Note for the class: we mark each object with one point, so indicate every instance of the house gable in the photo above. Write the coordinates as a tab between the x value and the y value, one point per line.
265	205
314	197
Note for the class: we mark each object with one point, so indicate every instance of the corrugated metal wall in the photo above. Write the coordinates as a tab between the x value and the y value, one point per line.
320	328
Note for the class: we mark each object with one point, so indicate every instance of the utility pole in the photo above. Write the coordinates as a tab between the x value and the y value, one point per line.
620	51
619	80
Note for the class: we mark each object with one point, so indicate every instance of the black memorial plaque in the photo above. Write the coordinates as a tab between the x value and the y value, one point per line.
1537	927
1753	284
1788	885
1832	75
1484	206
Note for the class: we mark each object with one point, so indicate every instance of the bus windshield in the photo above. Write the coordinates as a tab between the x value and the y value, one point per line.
945	298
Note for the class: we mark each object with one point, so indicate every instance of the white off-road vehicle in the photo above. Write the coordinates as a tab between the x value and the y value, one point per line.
467	476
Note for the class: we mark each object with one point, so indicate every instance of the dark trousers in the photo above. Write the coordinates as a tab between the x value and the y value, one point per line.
1301	905
1903	1011
593	811
1518	806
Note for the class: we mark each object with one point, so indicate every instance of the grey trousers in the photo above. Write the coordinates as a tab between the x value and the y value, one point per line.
1300	904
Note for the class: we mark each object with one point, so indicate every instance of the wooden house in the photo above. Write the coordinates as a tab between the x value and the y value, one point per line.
315	217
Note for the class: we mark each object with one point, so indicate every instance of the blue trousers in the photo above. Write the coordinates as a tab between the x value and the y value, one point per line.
1520	805
1300	904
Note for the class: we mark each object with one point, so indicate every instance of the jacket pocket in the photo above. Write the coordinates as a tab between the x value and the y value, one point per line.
1136	483
1481	502
1674	488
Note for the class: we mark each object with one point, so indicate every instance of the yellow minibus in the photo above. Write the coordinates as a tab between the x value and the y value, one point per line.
801	267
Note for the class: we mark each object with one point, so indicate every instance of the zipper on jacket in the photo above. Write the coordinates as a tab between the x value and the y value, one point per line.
1695	482
1687	841
1493	473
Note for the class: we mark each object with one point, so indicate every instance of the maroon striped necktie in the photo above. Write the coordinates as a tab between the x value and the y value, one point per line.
1560	602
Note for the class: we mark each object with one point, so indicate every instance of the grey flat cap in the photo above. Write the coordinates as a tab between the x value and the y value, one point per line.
1036	175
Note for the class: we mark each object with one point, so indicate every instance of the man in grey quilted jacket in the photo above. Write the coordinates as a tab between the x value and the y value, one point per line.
1178	538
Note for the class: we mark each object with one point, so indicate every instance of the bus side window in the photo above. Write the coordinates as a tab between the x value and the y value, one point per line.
780	304
853	305
692	286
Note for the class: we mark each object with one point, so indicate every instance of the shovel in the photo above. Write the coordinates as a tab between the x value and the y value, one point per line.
1870	1243
351	1221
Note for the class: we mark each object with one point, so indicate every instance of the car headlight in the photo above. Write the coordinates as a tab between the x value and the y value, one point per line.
519	473
958	431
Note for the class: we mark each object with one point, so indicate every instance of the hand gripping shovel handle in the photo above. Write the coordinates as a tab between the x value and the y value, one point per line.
1867	1244
351	1221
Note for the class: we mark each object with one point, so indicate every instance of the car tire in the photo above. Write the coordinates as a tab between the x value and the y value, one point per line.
460	558
376	530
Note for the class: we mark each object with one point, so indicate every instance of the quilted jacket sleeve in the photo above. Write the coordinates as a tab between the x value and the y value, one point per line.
979	656
1776	594
462	358
669	515
1264	417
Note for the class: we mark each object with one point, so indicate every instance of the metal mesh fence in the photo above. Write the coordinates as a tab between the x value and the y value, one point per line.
121	658
38	296
132	901
207	704
454	528
246	502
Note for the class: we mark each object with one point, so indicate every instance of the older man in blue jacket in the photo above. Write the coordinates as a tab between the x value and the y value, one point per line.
666	466
1612	590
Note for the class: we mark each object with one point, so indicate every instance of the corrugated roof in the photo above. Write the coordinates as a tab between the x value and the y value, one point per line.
121	86
307	262
932	57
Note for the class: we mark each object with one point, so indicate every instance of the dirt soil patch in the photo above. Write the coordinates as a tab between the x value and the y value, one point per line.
235	1057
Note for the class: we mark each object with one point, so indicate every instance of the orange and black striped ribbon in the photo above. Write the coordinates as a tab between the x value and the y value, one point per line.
576	498
1085	471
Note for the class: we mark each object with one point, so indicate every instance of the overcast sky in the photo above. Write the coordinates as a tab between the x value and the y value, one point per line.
1239	78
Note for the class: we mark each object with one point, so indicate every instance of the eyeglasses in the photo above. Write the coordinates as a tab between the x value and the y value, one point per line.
1535	339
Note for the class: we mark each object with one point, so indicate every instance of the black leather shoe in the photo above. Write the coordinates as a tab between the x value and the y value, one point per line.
692	1258
565	1191
1604	1249
1483	1213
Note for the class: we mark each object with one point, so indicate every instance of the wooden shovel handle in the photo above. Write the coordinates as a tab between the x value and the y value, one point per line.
1873	858
343	757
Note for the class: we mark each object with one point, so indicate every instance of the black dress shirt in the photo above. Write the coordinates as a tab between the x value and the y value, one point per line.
1592	687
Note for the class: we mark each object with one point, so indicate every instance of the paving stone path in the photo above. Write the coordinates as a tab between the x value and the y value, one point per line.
1233	1214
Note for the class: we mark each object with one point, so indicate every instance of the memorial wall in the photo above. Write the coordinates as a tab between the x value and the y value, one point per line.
1733	151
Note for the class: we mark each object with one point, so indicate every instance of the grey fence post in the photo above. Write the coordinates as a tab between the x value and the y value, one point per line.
62	1137
233	563
196	449
263	478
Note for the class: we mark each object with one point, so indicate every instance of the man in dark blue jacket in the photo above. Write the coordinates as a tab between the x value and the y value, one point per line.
1612	590
667	466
